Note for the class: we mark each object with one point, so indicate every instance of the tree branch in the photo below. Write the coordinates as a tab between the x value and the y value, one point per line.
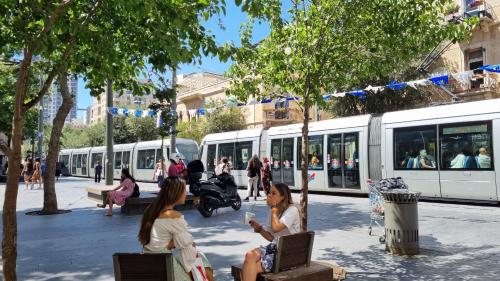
57	68
35	44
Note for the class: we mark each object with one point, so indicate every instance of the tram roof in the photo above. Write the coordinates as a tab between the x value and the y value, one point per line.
443	111
331	124
234	135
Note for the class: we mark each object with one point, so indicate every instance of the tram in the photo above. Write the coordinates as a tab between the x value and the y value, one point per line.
140	158
444	152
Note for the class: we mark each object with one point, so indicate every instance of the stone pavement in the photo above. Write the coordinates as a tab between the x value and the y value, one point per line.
459	242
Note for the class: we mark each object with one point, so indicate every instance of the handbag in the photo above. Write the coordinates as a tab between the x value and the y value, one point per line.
198	271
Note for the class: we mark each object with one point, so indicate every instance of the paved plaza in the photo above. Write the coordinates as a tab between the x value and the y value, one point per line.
459	242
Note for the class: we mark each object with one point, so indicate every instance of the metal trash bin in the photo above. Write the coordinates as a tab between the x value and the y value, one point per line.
401	222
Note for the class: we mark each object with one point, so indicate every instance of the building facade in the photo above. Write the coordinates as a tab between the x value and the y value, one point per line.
121	99
52	101
464	58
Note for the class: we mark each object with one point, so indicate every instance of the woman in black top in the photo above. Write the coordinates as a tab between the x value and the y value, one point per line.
253	173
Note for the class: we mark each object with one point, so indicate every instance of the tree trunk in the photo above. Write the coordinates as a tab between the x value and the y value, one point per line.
49	183
9	240
304	168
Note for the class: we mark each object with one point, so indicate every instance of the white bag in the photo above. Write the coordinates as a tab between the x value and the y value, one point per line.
198	271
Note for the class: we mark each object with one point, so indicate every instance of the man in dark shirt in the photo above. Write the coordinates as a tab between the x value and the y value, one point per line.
98	171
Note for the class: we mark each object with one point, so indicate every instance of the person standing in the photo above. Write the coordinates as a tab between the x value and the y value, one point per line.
27	171
159	172
253	173
267	177
98	172
37	175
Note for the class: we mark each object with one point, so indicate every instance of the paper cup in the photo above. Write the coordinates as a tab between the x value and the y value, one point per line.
248	217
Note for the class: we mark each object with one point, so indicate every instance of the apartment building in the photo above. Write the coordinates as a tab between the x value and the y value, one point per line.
464	58
52	101
121	99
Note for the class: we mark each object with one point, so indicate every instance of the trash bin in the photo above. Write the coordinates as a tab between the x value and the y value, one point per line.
401	222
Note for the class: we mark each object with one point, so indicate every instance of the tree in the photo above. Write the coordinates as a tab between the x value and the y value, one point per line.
195	130
334	45
95	134
100	40
144	129
121	132
225	120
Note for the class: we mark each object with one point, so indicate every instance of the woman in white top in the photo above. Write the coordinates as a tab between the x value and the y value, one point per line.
284	220
164	229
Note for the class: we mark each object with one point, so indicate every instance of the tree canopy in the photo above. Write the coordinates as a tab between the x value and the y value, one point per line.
324	46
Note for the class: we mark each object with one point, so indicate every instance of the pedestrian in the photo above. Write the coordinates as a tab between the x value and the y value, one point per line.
267	176
164	230
160	172
181	169
119	194
37	174
27	171
223	167
97	172
253	173
172	169
58	170
284	219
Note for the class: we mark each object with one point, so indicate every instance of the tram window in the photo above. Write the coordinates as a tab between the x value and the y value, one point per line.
315	156
146	159
211	151
126	160
189	151
79	161
466	146
415	148
243	154
73	164
95	157
227	150
118	160
84	164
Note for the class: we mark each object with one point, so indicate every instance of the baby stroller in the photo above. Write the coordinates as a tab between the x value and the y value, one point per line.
376	200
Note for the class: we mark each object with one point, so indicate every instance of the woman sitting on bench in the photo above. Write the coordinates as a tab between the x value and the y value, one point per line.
120	193
284	220
164	229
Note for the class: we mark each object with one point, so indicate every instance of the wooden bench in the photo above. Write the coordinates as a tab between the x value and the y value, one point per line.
134	206
292	261
143	267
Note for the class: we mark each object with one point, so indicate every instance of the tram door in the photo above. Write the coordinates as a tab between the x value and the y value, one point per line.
343	161
282	161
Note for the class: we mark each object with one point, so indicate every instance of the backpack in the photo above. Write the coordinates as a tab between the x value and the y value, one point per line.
136	192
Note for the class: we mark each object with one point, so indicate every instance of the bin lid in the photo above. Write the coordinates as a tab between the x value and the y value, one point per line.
401	196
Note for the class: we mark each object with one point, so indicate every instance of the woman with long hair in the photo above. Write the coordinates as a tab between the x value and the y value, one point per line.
284	220
164	229
253	173
119	194
266	175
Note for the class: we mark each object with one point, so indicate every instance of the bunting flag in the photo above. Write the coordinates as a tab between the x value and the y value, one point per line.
491	68
440	80
201	111
397	86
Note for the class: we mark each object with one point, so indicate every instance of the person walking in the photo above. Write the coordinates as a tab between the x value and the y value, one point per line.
98	172
253	173
37	175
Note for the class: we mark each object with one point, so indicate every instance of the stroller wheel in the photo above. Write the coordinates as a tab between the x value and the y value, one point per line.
381	239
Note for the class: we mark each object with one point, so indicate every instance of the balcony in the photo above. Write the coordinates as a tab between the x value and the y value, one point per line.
481	9
478	86
281	116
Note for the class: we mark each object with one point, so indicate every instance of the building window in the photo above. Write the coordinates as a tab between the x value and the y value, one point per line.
466	146
415	148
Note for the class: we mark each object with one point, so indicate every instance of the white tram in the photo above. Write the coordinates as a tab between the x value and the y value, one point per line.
139	158
444	151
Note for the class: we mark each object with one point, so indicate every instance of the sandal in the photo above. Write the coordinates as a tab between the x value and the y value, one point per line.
101	206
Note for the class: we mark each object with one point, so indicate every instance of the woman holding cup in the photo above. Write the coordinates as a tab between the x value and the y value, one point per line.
284	220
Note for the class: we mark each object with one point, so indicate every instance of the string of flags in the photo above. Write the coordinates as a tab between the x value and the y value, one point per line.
464	78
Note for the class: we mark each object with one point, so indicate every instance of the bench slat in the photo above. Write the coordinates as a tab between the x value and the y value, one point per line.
314	272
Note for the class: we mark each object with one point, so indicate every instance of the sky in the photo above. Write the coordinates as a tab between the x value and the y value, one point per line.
231	22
